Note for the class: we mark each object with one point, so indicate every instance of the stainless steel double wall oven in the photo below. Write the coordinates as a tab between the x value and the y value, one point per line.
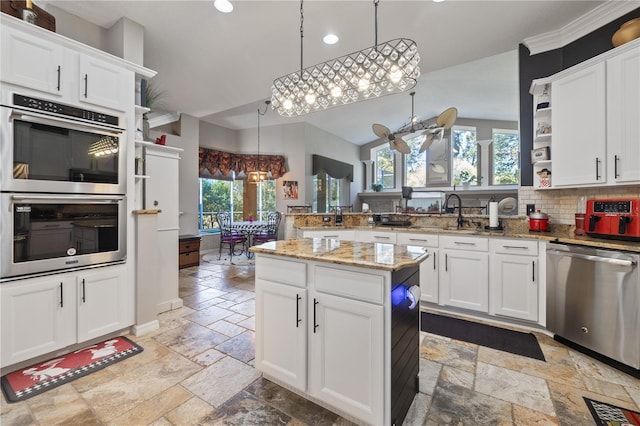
62	186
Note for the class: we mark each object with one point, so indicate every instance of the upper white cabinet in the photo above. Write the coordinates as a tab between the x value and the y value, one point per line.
623	117
105	84
41	60
594	118
32	62
579	128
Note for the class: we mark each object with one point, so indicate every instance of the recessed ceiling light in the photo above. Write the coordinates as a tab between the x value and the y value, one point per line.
223	6
330	39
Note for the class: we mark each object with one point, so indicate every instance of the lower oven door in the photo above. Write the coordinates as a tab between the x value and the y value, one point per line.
49	232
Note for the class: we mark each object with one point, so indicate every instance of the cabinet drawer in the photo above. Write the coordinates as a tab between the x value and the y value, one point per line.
464	243
515	246
352	284
281	271
422	240
188	259
188	246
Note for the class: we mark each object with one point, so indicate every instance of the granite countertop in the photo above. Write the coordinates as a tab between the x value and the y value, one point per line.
562	235
389	257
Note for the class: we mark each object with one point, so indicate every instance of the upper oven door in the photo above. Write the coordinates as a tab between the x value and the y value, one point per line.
45	153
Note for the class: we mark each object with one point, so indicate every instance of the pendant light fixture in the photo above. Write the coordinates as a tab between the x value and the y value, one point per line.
258	175
383	69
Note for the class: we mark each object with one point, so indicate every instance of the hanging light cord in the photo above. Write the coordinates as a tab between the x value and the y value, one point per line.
301	35
267	103
375	3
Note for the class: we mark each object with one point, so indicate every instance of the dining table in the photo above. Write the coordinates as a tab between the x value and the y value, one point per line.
249	228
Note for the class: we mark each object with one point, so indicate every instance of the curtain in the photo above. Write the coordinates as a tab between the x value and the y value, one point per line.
214	163
334	168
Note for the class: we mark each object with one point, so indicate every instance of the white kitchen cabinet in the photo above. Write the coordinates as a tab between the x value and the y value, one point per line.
464	272
38	316
623	112
32	62
105	84
41	315
332	233
514	276
579	127
161	192
346	366
281	330
105	302
429	277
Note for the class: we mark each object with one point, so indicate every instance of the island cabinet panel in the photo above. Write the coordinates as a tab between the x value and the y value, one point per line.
346	367
281	325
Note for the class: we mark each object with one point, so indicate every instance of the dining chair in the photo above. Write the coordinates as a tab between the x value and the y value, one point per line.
228	236
270	232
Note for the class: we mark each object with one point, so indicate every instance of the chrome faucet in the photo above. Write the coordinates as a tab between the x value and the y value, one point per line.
446	206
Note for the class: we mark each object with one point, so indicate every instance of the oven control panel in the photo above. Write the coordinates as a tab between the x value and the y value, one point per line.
618	207
65	110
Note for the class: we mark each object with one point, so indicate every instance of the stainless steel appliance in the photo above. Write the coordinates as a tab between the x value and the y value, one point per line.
42	233
58	148
616	219
593	300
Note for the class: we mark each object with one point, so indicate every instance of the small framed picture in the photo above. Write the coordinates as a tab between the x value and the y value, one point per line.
290	189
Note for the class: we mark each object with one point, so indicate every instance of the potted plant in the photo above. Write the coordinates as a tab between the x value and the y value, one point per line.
377	187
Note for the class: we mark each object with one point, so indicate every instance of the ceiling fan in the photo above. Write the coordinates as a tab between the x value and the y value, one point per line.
398	139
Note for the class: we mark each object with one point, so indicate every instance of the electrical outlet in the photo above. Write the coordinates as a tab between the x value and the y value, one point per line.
531	208
326	219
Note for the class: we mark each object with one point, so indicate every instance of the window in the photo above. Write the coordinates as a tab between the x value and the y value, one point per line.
219	196
326	192
415	163
464	155
505	167
383	158
266	202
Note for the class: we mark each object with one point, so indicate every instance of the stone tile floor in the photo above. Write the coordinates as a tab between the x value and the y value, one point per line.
198	369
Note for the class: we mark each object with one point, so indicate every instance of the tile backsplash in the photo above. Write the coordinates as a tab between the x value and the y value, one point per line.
560	204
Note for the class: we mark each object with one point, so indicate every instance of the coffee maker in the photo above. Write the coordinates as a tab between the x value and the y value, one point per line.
406	196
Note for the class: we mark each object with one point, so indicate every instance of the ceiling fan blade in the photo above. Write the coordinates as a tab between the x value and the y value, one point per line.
427	142
381	131
402	146
447	118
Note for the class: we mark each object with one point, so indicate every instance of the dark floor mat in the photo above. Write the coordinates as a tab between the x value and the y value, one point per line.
501	339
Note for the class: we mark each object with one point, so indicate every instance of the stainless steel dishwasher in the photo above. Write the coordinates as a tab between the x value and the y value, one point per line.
593	300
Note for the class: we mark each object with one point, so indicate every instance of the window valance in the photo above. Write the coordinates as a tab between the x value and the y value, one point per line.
212	162
334	168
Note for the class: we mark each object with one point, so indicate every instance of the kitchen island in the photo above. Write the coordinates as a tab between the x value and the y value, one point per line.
338	323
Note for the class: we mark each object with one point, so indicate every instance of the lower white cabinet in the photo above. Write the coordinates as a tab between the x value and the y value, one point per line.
332	234
464	272
374	236
429	277
281	328
346	363
41	315
514	279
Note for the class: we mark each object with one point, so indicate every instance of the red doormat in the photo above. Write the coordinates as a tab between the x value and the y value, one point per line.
33	380
609	415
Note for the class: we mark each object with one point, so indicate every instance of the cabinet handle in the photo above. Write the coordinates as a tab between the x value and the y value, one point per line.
434	260
615	166
422	240
597	168
315	325
61	297
84	293
446	262
58	87
329	236
516	247
380	237
462	243
533	271
86	78
298	298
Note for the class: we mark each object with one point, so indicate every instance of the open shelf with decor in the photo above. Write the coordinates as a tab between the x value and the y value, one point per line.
542	135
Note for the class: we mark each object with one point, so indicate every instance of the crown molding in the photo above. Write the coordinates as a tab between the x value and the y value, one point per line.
587	23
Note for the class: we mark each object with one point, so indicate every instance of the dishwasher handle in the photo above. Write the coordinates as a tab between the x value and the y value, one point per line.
593	258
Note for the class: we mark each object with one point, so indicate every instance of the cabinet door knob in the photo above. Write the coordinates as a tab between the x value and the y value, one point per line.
155	202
